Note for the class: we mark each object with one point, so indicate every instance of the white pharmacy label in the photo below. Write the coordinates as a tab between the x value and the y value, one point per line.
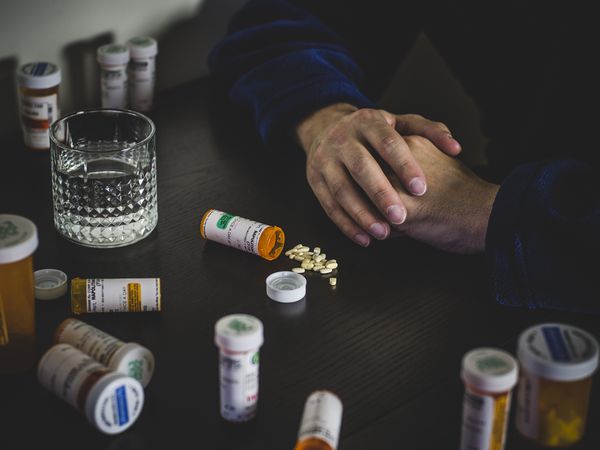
528	417
123	295
114	87
322	418
239	385
234	231
478	421
90	340
38	114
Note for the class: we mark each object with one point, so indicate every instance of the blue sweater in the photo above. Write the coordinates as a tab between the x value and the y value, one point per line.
283	60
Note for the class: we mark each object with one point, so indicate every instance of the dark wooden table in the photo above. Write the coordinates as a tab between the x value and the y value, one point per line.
388	339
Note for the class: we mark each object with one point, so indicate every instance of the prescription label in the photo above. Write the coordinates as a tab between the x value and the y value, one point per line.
321	418
528	414
123	295
38	113
478	420
234	231
239	385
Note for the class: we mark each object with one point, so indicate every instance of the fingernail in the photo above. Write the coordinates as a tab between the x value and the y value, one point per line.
417	186
362	239
378	230
396	214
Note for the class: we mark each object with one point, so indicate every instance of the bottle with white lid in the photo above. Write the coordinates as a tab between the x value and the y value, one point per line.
239	337
111	401
128	358
38	102
489	376
557	364
18	242
113	60
142	72
321	422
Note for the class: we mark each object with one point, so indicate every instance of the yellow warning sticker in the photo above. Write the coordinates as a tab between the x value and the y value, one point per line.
134	297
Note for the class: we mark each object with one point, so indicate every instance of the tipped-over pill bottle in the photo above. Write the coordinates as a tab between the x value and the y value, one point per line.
321	422
113	60
489	376
18	242
111	401
129	358
266	241
142	72
557	364
38	102
239	337
102	295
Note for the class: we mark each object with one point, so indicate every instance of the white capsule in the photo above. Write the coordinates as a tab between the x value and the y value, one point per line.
320	258
317	268
317	250
304	249
325	270
332	265
332	281
298	246
332	261
298	270
299	258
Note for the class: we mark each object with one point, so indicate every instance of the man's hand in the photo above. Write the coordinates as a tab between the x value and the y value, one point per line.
343	144
455	212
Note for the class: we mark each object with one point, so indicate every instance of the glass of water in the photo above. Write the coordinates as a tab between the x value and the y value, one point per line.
104	177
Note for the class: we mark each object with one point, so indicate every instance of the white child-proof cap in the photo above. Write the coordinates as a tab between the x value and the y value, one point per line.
239	333
18	238
39	75
113	54
114	403
134	360
286	287
489	370
50	284
558	352
142	47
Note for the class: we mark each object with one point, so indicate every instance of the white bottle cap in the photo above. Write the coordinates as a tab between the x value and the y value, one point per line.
558	352
489	370
39	75
113	54
114	403
134	360
50	284
18	238
286	287
239	333
142	47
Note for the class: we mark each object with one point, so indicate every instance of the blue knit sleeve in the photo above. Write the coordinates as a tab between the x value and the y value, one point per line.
544	237
281	63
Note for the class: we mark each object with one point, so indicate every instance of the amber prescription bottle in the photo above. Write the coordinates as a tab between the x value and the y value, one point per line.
38	100
111	401
128	358
321	422
18	241
113	60
102	295
489	375
142	72
253	237
239	337
557	364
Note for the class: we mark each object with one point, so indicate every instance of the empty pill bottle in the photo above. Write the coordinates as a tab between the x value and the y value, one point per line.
104	295
321	422
110	401
18	242
113	60
39	83
142	72
557	364
238	337
129	358
266	241
489	376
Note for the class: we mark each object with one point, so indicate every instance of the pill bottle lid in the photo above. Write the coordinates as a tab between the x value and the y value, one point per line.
113	54
239	333
114	403
18	238
286	287
39	75
142	47
558	352
50	284
134	360
489	370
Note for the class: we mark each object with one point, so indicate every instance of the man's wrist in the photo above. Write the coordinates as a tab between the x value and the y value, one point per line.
309	129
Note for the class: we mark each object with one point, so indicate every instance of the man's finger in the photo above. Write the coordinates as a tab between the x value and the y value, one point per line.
437	132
